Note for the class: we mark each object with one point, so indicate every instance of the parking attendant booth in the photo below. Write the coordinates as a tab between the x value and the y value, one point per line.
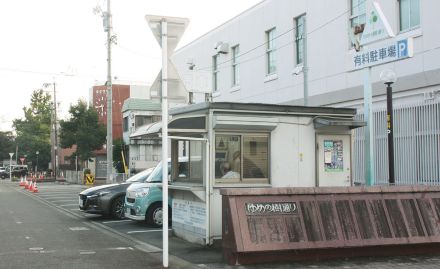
236	145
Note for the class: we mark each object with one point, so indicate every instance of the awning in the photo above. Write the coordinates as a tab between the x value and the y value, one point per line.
322	122
179	125
151	128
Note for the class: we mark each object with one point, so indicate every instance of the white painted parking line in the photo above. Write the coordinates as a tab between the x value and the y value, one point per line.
69	205
56	196
117	221
87	252
121	248
79	229
145	231
56	200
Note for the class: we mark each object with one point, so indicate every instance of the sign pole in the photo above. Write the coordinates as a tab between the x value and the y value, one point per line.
369	135
164	142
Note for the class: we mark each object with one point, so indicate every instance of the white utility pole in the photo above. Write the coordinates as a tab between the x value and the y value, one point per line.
55	147
108	28
165	140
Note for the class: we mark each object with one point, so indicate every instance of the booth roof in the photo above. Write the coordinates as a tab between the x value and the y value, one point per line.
263	108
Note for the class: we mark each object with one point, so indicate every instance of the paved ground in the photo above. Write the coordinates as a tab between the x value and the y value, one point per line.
124	238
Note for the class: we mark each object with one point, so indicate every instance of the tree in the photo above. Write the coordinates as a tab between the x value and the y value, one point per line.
33	132
83	130
7	144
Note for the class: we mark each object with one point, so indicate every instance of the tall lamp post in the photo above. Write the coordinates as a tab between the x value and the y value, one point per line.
389	77
36	167
10	165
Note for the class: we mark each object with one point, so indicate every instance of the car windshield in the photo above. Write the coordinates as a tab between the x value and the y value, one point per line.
156	175
141	176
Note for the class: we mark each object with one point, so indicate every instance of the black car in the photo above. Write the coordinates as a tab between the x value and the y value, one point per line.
108	200
4	174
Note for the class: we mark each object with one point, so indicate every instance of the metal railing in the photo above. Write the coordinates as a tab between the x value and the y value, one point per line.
416	145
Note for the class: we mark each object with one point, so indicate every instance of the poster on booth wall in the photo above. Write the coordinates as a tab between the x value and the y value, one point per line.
333	156
189	213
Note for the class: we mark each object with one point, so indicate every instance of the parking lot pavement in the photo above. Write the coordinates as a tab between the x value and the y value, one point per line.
65	197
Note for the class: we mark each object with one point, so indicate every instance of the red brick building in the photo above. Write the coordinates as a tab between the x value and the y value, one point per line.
99	102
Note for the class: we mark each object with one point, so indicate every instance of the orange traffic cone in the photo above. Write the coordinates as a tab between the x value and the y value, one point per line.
31	186
26	184
21	181
35	189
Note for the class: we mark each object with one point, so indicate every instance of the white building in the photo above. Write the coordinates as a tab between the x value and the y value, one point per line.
258	56
250	69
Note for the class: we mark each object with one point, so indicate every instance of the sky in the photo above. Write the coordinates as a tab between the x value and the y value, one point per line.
62	42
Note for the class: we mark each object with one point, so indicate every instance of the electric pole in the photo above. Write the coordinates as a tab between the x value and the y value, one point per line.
108	28
55	130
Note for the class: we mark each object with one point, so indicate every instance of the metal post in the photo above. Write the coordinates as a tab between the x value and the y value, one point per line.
55	147
36	167
164	142
368	114
390	133
109	96
305	65
10	165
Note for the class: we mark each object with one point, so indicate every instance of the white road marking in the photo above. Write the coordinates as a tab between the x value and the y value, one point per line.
18	222
87	252
56	200
79	229
27	237
70	205
121	248
145	231
117	221
36	249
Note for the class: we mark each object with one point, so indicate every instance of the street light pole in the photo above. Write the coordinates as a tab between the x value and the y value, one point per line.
389	77
36	167
390	133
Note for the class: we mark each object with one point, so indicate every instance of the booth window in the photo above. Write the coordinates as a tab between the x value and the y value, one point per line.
242	158
189	163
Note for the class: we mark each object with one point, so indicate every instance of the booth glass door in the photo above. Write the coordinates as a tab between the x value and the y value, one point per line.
334	160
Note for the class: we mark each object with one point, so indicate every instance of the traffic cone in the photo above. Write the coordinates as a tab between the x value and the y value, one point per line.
21	181
31	186
26	184
35	189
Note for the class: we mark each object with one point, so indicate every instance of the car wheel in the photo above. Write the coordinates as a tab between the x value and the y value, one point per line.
118	208
155	215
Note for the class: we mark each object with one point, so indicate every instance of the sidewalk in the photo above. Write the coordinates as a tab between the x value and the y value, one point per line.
212	257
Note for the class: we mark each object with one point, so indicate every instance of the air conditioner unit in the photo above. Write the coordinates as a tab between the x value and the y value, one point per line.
222	48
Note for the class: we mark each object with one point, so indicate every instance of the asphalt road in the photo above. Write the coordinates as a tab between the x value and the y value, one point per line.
38	233
47	230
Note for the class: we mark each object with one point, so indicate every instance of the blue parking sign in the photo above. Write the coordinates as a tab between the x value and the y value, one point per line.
402	48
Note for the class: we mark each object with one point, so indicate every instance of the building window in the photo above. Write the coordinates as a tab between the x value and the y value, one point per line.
299	39
358	15
242	158
409	14
125	123
235	66
215	73
270	52
142	120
